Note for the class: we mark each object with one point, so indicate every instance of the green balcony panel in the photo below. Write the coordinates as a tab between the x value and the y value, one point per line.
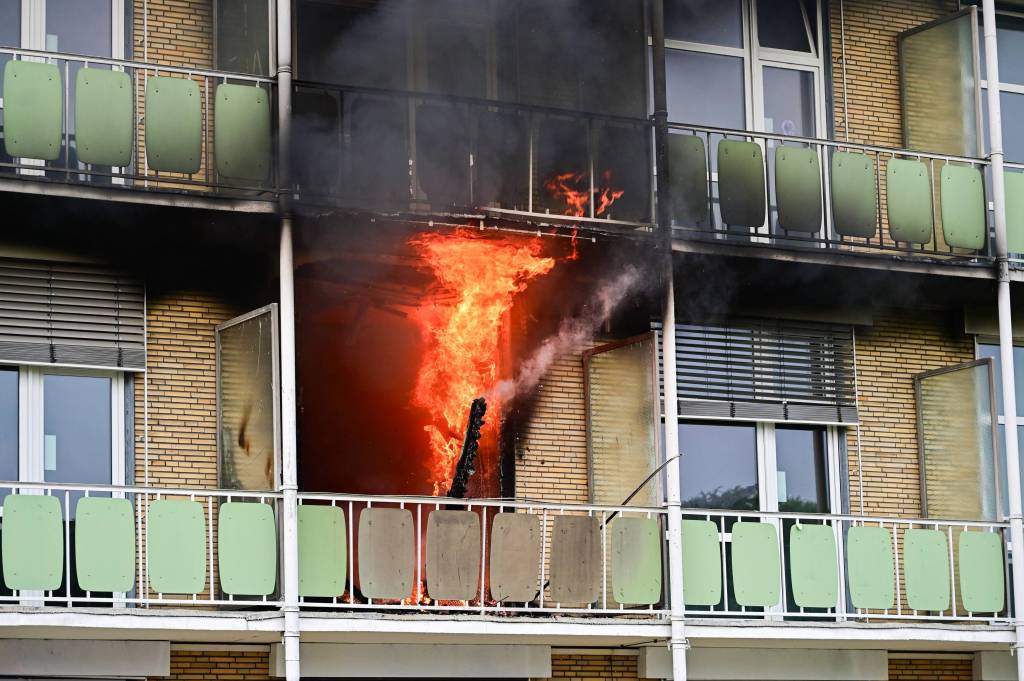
575	559
386	553
741	183
241	132
32	542
1014	211
33	110
854	195
176	546
104	117
814	566
980	561
453	555
105	544
926	569
798	189
909	200
702	563
515	557
636	560
755	564
962	200
689	178
174	128
870	567
247	549
323	551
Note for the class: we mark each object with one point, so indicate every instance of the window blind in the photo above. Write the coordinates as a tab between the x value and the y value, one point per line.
70	314
766	369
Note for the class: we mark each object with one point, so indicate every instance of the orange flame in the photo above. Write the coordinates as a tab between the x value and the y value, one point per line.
462	334
566	186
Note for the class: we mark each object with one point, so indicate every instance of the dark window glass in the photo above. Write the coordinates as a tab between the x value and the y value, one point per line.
8	424
10	31
719	466
243	36
715	22
784	24
1010	39
78	27
986	350
802	469
718	79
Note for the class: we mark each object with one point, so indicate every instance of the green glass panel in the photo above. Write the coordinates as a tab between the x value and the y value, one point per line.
247	549
755	564
1015	211
33	110
741	183
854	194
104	544
980	560
241	135
386	553
798	188
702	563
909	201
176	546
636	561
962	198
453	555
926	569
688	166
814	566
173	125
870	567
323	551
104	117
32	542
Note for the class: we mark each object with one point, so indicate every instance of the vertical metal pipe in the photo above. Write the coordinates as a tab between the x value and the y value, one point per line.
659	95
1013	492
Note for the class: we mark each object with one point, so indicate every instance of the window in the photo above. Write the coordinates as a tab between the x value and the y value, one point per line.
988	349
1010	40
242	42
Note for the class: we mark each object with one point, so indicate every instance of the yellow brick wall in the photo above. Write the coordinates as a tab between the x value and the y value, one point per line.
593	667
220	665
872	64
901	343
177	32
930	669
182	390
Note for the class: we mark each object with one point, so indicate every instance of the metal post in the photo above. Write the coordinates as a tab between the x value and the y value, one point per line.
289	455
660	97
1013	491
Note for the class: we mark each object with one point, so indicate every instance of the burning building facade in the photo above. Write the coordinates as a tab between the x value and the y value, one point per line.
340	341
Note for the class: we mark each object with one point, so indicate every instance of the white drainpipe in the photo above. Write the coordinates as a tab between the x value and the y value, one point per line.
1013	491
678	643
286	273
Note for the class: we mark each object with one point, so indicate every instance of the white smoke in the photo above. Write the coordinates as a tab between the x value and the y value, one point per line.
572	333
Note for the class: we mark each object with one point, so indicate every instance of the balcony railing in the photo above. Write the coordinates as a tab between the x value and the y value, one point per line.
130	546
113	122
765	189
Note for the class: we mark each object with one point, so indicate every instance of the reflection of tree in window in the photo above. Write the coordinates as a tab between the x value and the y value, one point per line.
719	466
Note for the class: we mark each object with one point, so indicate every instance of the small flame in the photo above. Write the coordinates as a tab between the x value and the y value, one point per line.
481	277
566	186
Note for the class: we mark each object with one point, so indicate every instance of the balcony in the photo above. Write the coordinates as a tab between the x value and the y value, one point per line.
138	549
121	125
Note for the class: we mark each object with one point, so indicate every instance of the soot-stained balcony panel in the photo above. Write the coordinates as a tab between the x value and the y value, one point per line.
453	555
442	153
575	559
741	188
854	195
798	189
688	165
386	553
241	133
502	160
33	110
174	130
515	557
104	117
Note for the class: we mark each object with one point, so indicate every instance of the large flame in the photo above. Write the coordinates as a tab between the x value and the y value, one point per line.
462	332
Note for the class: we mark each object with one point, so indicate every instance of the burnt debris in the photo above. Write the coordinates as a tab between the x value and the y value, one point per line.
467	459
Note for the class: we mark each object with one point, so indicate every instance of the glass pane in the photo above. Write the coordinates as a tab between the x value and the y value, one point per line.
802	463
1003	479
716	22
719	466
8	424
1012	106
243	36
782	25
10	30
991	350
789	101
77	430
245	386
938	88
1010	39
718	79
78	27
955	412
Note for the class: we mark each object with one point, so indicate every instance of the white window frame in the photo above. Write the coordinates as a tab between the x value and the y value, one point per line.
33	26
1011	88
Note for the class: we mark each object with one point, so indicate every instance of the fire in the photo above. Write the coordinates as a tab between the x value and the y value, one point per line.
567	186
462	334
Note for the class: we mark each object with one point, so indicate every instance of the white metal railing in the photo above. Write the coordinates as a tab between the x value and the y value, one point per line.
67	168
